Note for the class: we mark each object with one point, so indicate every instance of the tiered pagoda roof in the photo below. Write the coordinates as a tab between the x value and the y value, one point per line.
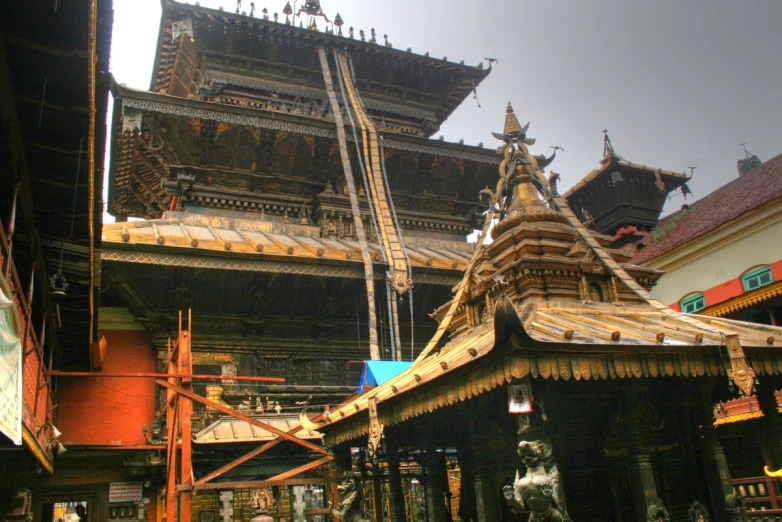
235	55
196	240
623	198
213	156
548	299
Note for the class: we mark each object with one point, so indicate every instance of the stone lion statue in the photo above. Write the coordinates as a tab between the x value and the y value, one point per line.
538	490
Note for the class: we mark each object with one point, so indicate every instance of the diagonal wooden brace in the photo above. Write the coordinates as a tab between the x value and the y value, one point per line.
244	458
250	420
301	469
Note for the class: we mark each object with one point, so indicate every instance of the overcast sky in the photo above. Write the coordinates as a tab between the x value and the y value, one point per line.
677	83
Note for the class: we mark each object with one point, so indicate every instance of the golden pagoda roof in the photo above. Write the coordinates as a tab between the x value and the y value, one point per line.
267	239
622	334
570	341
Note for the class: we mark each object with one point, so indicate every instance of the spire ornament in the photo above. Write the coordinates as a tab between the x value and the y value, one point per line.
512	126
524	192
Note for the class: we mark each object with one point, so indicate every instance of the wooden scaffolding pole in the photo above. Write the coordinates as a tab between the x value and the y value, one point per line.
171	425
185	365
179	409
228	411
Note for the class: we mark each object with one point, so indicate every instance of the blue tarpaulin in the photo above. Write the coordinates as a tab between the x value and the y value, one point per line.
378	372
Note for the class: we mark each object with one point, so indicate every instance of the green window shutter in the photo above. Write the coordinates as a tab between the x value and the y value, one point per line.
756	279
693	304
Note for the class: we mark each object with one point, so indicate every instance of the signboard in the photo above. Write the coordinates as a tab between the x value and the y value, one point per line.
125	491
10	367
519	398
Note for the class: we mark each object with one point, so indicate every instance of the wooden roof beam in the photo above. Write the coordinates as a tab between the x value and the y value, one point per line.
20	173
147	190
53	106
43	48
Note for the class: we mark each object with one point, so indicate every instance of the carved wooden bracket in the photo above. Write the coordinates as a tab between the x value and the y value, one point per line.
375	428
739	370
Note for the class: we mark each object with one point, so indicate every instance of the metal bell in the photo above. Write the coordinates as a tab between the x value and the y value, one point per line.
58	286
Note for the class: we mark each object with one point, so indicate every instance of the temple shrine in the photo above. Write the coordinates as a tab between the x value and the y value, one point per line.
288	322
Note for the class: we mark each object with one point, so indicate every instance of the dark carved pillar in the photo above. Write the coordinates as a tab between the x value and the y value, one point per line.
377	497
643	487
771	434
645	496
715	464
467	508
397	498
485	496
435	493
484	478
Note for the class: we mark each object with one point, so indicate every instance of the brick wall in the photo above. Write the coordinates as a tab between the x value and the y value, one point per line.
111	410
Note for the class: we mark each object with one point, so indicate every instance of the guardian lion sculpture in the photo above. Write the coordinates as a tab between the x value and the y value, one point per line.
538	490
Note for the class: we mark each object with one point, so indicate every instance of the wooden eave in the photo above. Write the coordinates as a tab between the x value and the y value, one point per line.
230	430
54	129
124	146
203	240
740	302
471	363
471	76
672	179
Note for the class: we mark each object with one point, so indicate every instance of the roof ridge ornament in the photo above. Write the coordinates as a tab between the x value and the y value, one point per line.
608	148
525	191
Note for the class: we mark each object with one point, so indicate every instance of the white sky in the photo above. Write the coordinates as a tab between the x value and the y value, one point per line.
675	83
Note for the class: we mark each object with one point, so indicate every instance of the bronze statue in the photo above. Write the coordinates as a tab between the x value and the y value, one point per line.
351	502
538	490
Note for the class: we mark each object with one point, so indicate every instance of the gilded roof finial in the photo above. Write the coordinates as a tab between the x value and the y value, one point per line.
512	126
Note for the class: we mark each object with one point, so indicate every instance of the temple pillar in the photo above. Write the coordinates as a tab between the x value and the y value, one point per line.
484	476
377	497
396	495
771	432
467	508
435	493
715	464
486	497
643	486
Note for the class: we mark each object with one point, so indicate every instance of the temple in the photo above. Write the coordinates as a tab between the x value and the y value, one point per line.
553	350
623	199
289	323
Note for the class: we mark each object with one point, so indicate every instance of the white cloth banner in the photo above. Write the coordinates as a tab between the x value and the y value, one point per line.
10	369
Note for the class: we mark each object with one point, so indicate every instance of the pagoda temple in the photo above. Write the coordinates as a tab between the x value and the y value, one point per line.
555	387
623	199
287	229
282	216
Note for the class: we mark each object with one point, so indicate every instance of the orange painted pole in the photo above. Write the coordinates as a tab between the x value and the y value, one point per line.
173	431
186	411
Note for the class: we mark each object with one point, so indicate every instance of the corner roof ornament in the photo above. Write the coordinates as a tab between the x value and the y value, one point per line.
608	148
